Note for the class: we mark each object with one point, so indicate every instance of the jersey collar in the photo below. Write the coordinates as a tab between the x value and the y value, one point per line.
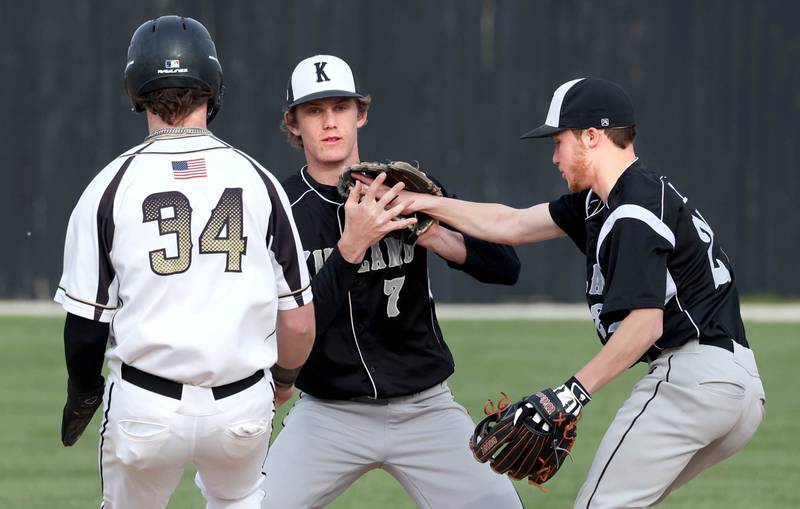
326	192
635	164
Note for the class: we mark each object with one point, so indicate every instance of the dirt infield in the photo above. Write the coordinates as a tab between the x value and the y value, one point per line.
780	313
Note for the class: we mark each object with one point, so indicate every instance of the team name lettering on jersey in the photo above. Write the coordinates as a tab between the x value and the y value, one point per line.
397	253
596	310
598	281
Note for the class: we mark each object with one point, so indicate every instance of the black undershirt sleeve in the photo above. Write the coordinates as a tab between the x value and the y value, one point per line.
84	346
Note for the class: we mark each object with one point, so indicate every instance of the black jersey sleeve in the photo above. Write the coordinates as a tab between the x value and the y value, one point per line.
635	253
489	262
569	213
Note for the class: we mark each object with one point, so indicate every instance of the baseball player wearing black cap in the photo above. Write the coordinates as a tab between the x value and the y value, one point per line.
183	257
659	288
373	391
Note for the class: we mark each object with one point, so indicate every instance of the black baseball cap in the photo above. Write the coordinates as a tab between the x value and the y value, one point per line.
319	77
584	103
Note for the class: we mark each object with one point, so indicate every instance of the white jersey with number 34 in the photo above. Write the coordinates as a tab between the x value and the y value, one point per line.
189	248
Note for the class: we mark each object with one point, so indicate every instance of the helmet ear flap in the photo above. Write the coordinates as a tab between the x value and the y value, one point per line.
173	52
215	104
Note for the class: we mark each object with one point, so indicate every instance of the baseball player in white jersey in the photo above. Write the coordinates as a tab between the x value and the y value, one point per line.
182	255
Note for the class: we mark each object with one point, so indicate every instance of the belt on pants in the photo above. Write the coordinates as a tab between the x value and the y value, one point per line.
174	390
724	343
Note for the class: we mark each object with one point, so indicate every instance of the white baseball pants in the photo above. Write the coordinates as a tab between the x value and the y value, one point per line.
147	439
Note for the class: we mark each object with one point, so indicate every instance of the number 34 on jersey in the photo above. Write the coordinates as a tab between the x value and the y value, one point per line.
222	234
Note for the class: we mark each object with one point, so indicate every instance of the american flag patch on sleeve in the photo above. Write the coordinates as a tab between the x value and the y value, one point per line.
189	169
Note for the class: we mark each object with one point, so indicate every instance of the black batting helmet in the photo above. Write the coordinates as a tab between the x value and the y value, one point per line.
173	52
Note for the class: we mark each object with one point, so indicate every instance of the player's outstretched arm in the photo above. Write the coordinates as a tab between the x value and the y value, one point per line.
490	221
493	222
295	335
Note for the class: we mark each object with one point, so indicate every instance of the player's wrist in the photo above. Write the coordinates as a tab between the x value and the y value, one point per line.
573	395
284	378
351	251
420	202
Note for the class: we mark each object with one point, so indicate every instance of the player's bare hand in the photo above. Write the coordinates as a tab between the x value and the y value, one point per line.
368	218
409	198
283	394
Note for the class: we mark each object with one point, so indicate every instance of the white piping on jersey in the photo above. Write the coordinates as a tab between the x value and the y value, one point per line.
670	280
349	300
353	328
701	216
600	205
554	113
300	198
682	197
634	212
311	188
672	290
696	328
222	141
433	322
89	303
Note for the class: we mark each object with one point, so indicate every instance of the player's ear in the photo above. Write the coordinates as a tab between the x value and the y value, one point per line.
291	123
361	118
591	137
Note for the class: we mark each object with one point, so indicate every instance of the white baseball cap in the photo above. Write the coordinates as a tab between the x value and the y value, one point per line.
318	77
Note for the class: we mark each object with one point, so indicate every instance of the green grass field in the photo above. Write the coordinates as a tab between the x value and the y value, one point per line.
37	472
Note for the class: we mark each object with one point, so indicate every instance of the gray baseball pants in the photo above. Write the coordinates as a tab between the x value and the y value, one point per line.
697	405
421	440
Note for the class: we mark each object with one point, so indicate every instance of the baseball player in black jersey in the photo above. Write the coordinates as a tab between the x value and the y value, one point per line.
182	256
373	391
659	288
